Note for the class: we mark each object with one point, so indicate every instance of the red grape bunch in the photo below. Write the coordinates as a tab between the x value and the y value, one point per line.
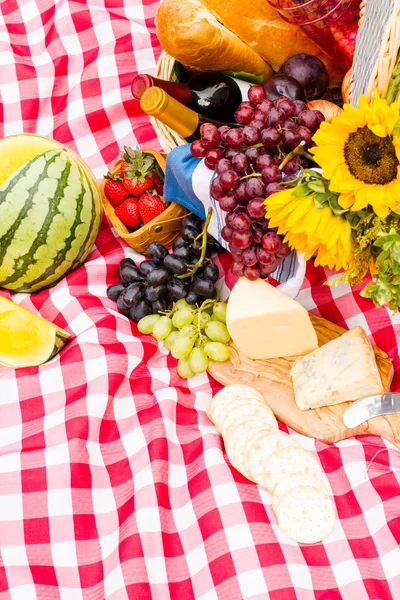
251	162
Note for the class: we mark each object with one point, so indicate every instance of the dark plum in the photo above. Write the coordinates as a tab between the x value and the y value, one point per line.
114	291
283	85
310	72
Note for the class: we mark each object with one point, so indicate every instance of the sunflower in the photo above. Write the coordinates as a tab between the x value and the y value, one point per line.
309	229
360	156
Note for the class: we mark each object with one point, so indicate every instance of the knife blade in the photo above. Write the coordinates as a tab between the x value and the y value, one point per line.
371	406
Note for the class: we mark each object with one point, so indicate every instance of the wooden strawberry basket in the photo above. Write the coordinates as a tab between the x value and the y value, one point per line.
164	229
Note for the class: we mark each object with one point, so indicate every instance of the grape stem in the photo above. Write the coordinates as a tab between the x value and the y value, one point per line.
298	151
203	247
208	302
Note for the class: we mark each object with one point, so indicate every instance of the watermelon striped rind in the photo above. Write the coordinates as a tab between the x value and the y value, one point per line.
50	213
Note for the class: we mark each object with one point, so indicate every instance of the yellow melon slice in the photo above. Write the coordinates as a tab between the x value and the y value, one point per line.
27	340
17	150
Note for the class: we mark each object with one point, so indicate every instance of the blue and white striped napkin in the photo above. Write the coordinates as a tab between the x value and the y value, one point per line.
187	182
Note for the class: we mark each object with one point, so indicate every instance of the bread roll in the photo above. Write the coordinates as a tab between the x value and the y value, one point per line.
193	36
191	32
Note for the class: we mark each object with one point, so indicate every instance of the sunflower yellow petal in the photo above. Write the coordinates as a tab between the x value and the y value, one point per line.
361	199
376	194
346	200
343	180
330	134
353	116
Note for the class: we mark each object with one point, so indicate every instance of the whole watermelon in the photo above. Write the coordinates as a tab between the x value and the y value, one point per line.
50	212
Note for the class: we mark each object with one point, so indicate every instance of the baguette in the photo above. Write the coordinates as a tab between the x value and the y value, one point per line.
192	35
228	35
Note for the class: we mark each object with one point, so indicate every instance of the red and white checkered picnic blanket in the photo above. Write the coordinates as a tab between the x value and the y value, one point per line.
113	483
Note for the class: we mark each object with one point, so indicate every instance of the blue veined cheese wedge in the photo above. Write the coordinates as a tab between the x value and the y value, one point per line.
266	323
342	370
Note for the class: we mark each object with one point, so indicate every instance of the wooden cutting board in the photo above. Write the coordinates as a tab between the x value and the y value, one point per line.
272	379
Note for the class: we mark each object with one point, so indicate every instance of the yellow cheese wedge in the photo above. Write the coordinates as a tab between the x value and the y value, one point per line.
266	323
27	340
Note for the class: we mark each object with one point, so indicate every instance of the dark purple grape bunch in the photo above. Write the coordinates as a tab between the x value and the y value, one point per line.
152	286
252	162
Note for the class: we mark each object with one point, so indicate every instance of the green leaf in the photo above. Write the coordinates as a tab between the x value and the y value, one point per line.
382	257
353	219
301	191
385	240
380	294
317	187
320	200
395	251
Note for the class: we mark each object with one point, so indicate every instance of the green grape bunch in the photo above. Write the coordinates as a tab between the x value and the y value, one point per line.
193	334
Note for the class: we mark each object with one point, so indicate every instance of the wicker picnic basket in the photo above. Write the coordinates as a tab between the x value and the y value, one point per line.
165	69
378	44
386	27
164	229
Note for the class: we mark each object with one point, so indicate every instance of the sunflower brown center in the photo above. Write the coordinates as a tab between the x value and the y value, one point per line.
370	158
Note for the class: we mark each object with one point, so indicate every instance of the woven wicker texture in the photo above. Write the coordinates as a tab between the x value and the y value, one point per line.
378	43
164	229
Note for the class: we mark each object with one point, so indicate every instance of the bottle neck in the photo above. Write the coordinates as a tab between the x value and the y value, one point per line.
179	91
156	102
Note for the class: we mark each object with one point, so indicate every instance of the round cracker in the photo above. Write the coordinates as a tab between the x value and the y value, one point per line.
235	442
262	448
292	481
288	461
229	394
262	420
244	408
306	515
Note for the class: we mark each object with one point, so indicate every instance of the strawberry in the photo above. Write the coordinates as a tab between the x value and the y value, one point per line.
122	167
159	186
150	206
114	190
138	173
128	213
137	186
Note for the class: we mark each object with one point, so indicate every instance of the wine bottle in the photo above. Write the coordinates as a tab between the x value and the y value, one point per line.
175	115
211	94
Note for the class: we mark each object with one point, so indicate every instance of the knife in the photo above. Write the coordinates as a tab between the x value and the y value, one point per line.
371	406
